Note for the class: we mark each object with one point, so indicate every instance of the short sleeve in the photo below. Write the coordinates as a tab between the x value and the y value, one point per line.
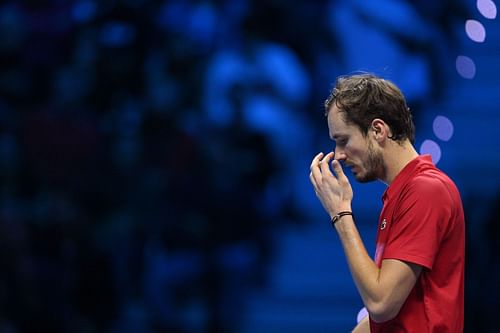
419	221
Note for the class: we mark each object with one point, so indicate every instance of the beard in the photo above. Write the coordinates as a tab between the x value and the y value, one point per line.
373	166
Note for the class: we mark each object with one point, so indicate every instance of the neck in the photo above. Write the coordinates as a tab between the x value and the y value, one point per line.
396	157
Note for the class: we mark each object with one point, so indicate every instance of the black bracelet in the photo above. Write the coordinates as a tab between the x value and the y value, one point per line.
337	217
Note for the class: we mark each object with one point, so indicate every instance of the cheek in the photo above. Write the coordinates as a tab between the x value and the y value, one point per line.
353	150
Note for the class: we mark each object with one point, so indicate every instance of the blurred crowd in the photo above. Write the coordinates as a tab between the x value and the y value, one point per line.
150	149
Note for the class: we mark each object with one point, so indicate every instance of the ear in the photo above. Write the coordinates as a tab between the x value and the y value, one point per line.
380	130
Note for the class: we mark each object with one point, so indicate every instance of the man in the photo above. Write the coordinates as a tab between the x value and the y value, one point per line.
416	281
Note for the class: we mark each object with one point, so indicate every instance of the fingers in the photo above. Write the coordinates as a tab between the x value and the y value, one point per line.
316	160
313	181
324	164
315	174
337	168
320	168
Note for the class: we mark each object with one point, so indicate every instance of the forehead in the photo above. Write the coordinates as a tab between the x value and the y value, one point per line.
337	125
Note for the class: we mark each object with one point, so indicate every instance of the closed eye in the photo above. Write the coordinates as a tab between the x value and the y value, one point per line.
341	142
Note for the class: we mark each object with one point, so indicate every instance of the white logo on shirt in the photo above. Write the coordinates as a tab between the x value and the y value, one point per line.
383	224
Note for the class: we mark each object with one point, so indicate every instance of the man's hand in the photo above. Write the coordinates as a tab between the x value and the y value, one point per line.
333	190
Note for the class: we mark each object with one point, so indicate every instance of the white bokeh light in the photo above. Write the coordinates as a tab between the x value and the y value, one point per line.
487	8
475	30
465	67
443	128
362	314
432	148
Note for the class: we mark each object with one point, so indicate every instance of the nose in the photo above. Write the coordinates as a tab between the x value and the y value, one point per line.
339	154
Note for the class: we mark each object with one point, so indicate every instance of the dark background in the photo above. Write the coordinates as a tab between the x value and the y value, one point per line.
155	155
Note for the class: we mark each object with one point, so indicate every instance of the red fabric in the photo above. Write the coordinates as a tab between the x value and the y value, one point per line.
422	222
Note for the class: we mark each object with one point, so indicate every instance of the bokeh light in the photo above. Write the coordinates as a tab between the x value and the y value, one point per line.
117	34
443	128
487	8
466	67
362	314
84	11
432	148
475	30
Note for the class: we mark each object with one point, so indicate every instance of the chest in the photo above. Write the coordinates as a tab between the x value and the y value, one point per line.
385	223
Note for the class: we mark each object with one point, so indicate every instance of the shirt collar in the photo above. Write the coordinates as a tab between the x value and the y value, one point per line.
403	176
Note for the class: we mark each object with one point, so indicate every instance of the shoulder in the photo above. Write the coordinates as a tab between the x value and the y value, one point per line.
431	184
427	190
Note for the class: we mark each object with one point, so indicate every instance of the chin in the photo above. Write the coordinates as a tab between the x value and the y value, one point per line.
364	178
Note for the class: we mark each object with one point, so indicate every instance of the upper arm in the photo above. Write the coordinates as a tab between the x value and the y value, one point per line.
397	278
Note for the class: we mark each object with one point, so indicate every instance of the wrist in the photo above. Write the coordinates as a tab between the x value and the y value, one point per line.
345	208
341	214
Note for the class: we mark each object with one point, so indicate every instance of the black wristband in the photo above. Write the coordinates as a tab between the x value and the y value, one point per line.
337	217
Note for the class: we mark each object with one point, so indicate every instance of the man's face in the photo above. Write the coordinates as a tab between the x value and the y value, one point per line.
358	152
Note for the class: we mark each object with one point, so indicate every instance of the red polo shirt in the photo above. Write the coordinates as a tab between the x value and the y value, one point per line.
422	222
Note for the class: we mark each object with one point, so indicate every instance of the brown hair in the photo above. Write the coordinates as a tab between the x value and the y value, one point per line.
364	97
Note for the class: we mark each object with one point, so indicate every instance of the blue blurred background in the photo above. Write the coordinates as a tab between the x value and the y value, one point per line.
154	157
